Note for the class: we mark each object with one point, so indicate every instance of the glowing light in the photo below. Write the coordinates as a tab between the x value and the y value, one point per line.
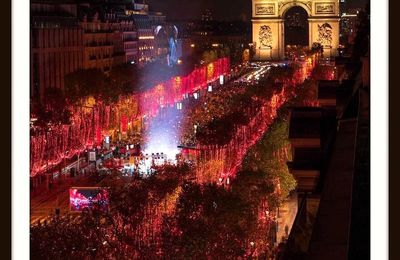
221	79
192	45
96	120
209	88
146	37
245	137
81	198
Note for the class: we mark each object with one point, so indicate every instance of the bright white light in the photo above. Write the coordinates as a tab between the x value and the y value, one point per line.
162	136
146	37
209	88
162	155
221	79
144	167
196	95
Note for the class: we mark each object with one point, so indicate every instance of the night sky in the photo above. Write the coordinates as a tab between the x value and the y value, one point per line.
221	9
192	9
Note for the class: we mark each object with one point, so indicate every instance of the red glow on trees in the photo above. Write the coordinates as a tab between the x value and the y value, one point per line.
89	124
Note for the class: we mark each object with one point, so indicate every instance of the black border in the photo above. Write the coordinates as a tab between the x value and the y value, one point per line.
394	130
5	131
394	133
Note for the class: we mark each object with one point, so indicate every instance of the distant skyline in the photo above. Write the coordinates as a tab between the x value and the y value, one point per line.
221	9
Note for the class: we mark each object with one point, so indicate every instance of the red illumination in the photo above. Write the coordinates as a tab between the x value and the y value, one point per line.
89	124
88	198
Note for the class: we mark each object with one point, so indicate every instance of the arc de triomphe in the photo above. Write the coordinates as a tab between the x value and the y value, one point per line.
268	26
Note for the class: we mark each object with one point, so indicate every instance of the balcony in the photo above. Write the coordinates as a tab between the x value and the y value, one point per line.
118	54
130	39
306	173
99	44
98	31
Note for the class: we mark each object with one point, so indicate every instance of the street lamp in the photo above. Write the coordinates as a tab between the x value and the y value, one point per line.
79	153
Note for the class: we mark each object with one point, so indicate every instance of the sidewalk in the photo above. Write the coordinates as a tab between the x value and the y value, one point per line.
287	214
43	202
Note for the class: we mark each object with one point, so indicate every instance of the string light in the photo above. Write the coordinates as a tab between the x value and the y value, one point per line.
90	125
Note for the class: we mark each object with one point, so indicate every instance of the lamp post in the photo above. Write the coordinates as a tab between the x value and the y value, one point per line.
78	161
79	154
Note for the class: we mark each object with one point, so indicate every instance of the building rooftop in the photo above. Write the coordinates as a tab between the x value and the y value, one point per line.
327	90
304	165
307	154
305	122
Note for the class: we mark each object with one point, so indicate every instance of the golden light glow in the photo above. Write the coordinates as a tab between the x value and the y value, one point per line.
146	37
210	70
90	101
178	80
266	26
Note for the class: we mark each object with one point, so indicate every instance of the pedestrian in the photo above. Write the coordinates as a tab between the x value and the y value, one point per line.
287	230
